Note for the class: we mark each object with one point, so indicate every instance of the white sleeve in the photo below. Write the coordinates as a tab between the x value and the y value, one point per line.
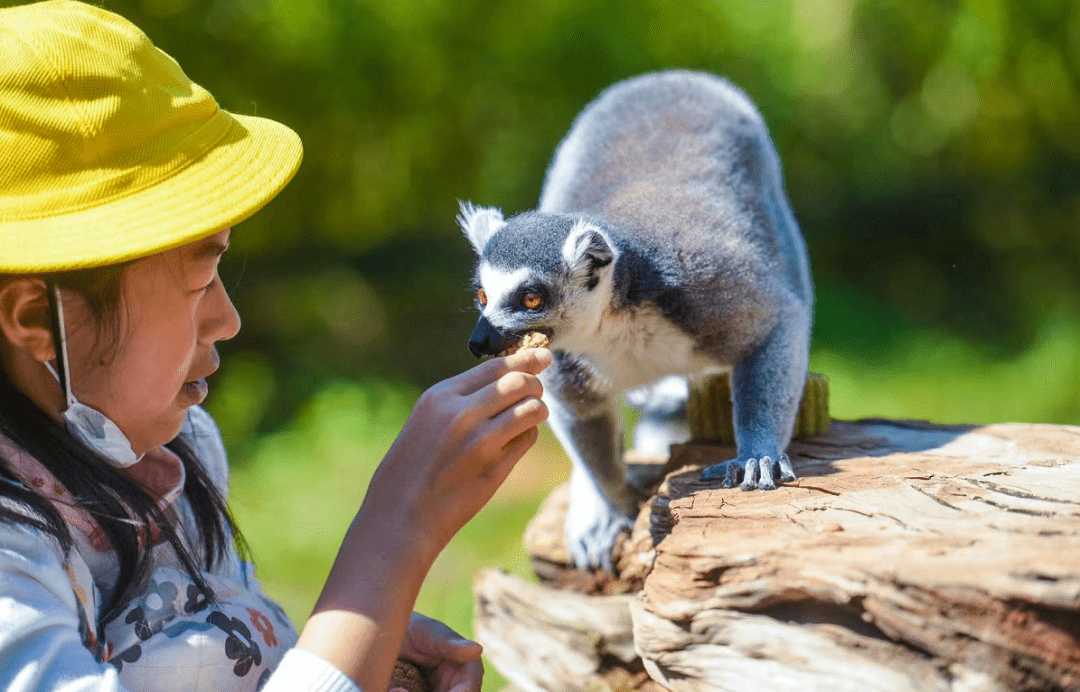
301	670
40	643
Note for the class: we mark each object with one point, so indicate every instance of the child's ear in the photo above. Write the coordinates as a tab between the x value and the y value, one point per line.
588	252
479	224
26	317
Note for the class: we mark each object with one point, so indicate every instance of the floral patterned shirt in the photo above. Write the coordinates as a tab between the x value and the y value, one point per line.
167	639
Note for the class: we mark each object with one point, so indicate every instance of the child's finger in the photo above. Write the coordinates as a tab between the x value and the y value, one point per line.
512	453
513	387
516	419
494	473
531	360
460	650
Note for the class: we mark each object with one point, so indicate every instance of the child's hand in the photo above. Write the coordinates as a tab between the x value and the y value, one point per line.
462	439
454	661
464	436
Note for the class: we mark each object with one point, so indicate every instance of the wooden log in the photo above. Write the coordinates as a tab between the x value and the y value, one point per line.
544	639
907	557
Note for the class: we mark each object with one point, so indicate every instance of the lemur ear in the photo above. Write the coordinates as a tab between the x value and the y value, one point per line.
587	251
479	224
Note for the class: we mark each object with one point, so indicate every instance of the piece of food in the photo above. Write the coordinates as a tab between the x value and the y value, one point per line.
530	340
408	677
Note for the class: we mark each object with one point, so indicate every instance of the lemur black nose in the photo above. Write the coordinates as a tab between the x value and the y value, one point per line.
485	340
480	340
479	348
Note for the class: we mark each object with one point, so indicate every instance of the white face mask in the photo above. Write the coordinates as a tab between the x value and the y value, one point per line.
96	430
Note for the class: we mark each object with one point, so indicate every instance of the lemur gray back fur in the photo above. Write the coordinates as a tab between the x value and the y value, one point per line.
663	244
684	159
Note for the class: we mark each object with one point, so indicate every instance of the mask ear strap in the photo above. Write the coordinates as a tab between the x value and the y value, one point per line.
59	340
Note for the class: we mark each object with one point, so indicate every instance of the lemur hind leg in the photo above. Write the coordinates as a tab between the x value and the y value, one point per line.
766	389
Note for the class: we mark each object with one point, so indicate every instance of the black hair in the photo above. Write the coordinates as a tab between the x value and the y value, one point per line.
128	515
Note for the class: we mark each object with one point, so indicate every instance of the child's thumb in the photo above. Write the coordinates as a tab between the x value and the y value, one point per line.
461	649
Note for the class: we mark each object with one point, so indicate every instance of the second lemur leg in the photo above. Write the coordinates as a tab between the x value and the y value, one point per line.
663	422
662	405
766	389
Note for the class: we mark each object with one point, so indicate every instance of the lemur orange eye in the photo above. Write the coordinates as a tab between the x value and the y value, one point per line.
532	300
481	296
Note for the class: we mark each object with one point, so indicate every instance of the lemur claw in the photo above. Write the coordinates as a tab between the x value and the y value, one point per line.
592	528
591	549
760	473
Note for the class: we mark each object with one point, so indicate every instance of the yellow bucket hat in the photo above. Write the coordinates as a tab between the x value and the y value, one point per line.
108	152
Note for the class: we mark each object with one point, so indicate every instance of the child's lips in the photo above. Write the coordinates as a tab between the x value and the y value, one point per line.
196	390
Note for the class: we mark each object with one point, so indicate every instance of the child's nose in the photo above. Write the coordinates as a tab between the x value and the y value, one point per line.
222	321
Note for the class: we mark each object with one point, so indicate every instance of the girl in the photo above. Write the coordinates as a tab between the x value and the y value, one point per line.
119	182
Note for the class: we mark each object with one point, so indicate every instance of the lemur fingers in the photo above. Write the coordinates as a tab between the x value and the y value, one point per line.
728	471
755	473
764	475
593	550
758	474
787	474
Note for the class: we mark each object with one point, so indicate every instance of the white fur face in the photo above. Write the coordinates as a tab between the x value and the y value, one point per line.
580	314
500	287
576	295
575	290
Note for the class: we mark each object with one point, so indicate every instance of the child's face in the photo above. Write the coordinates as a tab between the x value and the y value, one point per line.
173	310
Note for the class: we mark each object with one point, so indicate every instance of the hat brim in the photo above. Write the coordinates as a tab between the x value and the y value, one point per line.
250	165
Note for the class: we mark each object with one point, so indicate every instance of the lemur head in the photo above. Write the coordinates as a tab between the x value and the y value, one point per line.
536	271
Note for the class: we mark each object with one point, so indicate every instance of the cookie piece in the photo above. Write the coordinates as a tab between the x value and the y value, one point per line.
408	677
530	340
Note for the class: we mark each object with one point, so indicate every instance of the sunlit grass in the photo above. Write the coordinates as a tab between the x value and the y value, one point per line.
297	490
945	380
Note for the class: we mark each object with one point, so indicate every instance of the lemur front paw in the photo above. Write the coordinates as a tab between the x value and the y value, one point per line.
762	473
591	533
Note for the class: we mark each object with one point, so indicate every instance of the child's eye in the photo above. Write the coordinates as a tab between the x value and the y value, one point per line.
532	300
207	287
481	297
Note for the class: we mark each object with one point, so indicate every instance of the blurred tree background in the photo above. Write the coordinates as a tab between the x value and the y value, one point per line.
931	152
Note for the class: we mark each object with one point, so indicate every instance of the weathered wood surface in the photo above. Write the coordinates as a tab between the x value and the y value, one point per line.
545	639
907	557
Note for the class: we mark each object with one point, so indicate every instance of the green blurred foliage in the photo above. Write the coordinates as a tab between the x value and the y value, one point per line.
931	149
300	486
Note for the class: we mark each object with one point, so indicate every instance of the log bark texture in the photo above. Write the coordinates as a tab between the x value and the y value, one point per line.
907	556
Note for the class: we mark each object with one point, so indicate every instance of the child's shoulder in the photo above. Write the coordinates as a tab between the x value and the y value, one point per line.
202	433
26	548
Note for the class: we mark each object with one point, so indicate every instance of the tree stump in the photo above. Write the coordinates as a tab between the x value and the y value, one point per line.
907	556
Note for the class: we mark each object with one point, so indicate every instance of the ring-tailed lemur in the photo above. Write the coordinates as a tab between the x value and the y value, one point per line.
663	245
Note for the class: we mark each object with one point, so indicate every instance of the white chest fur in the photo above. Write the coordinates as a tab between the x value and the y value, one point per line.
635	347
